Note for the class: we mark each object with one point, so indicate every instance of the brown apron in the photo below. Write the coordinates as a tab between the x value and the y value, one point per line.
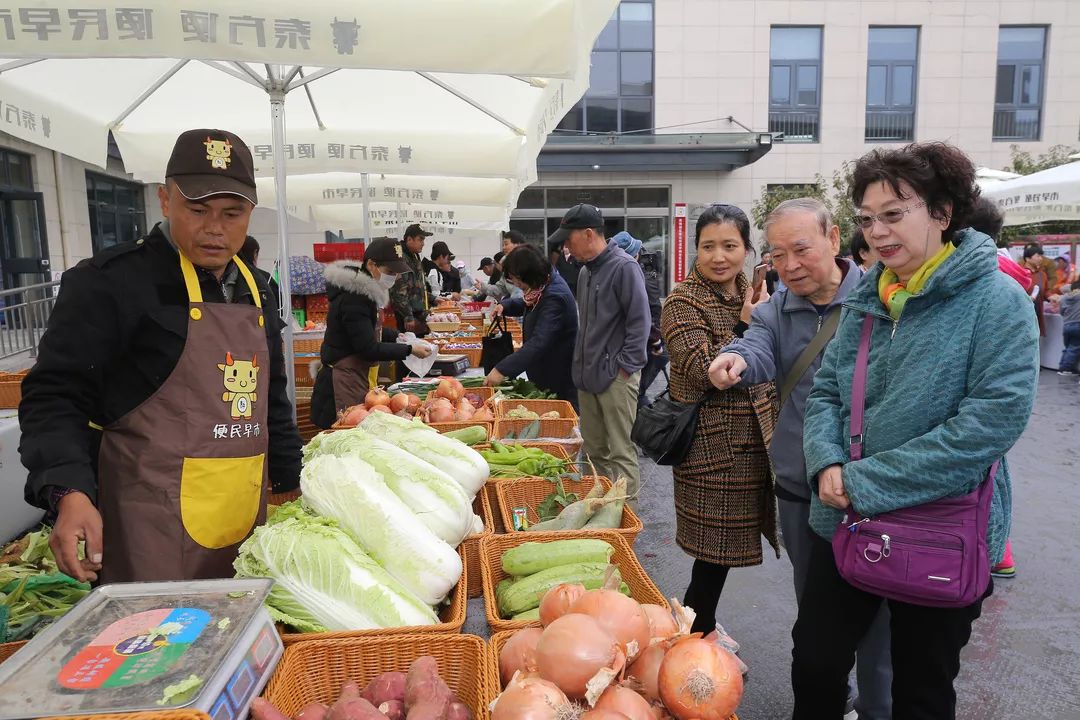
183	477
353	377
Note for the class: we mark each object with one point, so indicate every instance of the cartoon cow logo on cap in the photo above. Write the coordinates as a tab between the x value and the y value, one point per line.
241	382
219	153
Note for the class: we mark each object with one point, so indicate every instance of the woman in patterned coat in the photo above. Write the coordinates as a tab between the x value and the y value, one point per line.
724	498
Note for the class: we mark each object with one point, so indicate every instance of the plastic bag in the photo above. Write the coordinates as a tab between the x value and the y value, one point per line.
720	638
418	366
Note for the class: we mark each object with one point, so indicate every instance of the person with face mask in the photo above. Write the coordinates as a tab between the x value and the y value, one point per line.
355	341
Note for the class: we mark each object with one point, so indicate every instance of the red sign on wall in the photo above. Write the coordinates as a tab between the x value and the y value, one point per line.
679	235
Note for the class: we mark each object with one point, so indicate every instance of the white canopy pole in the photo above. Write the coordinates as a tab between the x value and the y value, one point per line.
366	206
277	119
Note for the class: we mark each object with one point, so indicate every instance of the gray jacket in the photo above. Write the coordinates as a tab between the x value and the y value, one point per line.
1070	307
779	331
613	320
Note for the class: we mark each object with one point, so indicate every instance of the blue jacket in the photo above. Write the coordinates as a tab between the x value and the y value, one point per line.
549	332
949	390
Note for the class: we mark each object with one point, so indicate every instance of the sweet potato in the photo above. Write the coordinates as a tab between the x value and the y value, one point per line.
427	697
349	690
388	686
432	708
459	711
313	711
355	709
263	710
393	709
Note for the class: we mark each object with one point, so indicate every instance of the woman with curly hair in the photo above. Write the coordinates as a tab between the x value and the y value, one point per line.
953	366
724	498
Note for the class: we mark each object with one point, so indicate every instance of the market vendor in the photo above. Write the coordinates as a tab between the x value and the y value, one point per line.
410	295
157	418
356	341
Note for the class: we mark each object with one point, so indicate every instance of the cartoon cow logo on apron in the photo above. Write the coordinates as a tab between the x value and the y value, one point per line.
241	379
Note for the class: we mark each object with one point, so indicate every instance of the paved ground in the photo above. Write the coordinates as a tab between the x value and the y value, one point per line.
1024	658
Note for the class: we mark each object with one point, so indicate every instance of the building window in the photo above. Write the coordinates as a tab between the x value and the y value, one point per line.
117	211
795	83
620	94
1019	88
892	73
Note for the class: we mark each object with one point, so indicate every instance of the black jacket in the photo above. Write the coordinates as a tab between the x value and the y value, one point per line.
355	303
648	263
115	334
549	332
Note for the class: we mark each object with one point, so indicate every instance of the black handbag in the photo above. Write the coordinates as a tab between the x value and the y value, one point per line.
665	430
497	345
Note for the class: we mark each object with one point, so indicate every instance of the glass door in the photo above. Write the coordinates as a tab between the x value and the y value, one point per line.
24	253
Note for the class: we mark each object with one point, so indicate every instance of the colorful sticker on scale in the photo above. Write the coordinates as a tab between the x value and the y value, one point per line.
134	649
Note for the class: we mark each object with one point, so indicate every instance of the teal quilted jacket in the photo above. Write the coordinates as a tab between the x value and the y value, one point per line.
949	391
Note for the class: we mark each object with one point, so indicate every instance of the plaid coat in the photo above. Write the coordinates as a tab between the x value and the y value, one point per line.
724	498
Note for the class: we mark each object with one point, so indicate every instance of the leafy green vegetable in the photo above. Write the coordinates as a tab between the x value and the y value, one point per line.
32	590
181	691
322	579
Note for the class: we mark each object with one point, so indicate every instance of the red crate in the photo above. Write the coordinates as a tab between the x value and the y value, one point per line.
329	252
298	302
316	303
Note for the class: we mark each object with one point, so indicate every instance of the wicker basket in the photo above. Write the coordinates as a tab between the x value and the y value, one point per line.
548	428
565	409
302	370
470	546
315	671
471	354
11	388
642	588
444	326
452	617
499	526
307	346
530	492
161	715
9	649
451	426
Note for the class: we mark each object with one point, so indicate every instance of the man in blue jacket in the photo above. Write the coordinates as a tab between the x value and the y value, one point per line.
613	331
804	243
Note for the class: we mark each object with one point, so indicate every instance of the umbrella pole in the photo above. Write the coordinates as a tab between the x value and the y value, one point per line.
277	120
367	209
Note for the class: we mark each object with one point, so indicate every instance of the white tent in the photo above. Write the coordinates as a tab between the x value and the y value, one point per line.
424	88
392	218
348	189
1052	194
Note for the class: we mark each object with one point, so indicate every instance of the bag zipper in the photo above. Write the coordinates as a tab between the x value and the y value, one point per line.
886	541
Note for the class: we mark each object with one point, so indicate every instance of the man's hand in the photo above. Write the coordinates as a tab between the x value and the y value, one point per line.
77	519
623	374
831	488
753	298
410	326
494	378
726	370
421	350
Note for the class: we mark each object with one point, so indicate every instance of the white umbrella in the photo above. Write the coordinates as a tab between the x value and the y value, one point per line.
387	217
1052	194
986	173
348	189
445	112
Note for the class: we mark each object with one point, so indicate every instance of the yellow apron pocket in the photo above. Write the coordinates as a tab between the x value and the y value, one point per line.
219	498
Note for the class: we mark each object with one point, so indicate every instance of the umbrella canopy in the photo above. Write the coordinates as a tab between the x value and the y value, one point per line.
392	219
1052	194
348	189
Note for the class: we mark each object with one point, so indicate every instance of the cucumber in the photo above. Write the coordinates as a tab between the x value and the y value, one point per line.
532	557
526	593
470	436
533	614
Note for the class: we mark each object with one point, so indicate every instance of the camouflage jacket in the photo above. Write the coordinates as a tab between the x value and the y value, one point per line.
410	296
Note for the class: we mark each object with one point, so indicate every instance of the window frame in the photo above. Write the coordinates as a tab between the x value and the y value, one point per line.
135	213
891	106
793	107
1018	68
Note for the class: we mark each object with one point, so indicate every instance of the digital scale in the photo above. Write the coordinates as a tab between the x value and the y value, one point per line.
449	365
119	649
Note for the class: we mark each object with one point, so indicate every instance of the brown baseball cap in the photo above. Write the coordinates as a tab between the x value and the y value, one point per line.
206	162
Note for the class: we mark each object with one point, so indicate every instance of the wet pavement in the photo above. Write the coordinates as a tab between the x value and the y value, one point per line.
1024	657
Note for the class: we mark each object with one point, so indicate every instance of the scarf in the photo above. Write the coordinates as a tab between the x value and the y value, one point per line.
533	296
895	294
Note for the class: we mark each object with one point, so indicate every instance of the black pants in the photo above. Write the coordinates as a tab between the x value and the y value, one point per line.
834	616
703	594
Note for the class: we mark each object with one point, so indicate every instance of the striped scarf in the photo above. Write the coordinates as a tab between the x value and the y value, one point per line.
895	294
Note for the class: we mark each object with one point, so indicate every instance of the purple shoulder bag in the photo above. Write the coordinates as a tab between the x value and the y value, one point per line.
933	554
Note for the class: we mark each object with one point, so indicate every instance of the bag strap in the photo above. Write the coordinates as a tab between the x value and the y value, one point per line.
858	387
810	352
499	324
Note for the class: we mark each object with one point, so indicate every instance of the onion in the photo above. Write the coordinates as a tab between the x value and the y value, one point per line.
646	670
619	615
465	410
531	698
484	414
700	680
661	622
414	402
519	654
354	416
376	396
399	402
449	390
579	656
381	408
626	701
440	414
557	602
603	715
474	399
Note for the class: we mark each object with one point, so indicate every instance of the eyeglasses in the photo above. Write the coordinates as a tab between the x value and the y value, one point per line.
889	217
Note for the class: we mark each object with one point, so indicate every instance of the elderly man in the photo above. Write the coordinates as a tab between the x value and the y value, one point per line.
784	343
